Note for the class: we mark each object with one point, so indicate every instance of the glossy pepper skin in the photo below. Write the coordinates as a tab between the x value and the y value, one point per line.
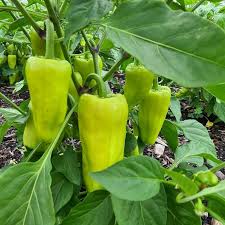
152	113
12	61
85	65
102	126
48	82
30	138
138	82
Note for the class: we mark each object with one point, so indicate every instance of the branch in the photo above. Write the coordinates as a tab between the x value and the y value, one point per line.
7	100
15	18
28	17
53	17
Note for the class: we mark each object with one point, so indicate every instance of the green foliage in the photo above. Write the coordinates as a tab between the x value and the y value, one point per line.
182	48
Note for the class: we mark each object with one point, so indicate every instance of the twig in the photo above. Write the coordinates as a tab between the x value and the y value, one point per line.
7	100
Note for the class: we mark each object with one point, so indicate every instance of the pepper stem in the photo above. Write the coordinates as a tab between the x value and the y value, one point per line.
100	84
49	54
136	62
155	83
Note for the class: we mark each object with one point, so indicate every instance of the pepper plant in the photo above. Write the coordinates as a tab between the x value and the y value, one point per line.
83	160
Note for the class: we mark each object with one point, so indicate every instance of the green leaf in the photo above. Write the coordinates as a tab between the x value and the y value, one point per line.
186	152
152	211
177	45
3	129
216	206
13	115
130	144
175	108
129	175
62	190
20	22
195	131
26	195
217	91
219	110
96	209
184	183
180	214
205	192
169	131
82	12
199	137
68	164
190	2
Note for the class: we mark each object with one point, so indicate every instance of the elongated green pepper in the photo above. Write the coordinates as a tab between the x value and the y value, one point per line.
152	113
102	126
48	82
12	61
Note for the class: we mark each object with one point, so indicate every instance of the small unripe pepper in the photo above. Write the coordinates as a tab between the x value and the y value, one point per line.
138	82
206	178
84	64
152	113
199	207
12	61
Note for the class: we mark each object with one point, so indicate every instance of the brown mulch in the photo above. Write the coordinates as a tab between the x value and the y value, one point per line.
9	152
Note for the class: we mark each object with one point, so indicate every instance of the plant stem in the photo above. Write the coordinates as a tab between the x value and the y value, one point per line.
197	5
28	158
53	17
101	41
96	63
217	168
2	39
100	84
155	83
32	13
94	51
113	69
15	18
7	100
49	40
27	16
87	41
63	7
136	62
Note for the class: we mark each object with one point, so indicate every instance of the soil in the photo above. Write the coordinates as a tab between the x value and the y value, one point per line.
10	153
